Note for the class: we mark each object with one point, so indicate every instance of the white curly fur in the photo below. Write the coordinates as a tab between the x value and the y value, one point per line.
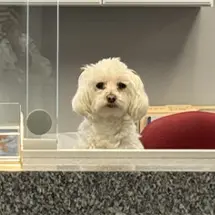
104	126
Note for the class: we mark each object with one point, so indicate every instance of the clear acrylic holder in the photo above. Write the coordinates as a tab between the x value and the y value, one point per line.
11	136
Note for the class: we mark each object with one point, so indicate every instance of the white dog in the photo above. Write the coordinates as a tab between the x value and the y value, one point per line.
112	98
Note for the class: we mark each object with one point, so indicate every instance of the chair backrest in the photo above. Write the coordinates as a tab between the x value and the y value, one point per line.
187	130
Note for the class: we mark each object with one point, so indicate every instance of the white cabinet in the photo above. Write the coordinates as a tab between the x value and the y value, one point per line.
66	2
52	2
12	2
159	2
194	3
80	2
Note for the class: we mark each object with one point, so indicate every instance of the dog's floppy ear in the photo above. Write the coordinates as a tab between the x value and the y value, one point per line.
81	103
139	101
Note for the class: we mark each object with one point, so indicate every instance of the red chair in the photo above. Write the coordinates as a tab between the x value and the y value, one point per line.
187	130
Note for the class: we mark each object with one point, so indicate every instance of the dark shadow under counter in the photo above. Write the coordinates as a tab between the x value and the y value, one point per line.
107	193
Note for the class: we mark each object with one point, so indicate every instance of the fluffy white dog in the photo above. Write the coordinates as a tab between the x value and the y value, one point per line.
112	98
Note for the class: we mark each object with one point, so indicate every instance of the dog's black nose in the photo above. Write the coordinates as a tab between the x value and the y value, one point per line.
111	98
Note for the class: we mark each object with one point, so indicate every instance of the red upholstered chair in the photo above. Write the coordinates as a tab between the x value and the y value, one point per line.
187	130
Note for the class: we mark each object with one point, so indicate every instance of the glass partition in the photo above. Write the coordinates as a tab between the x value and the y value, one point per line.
59	41
12	56
41	98
12	83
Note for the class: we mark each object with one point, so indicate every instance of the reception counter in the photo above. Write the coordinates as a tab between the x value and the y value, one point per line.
107	193
110	183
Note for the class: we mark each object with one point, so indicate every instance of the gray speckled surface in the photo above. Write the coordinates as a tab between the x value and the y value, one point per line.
103	193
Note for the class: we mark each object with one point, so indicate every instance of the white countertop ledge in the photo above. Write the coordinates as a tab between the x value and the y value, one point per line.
131	154
115	160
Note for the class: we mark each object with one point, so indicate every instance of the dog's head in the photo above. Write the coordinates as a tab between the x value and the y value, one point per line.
110	89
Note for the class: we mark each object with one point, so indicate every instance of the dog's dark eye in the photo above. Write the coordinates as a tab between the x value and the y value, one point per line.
100	85
121	85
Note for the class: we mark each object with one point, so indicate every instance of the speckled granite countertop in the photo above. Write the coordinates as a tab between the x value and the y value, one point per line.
107	193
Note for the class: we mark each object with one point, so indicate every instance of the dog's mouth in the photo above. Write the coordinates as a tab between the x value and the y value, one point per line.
111	106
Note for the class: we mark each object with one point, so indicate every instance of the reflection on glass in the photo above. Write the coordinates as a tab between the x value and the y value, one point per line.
42	64
12	55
